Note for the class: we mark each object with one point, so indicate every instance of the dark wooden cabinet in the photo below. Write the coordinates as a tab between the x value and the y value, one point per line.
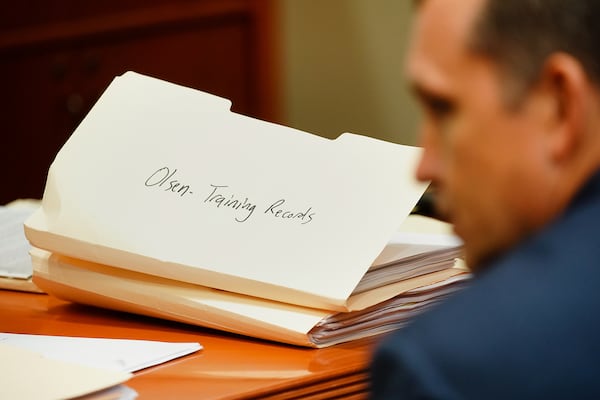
57	57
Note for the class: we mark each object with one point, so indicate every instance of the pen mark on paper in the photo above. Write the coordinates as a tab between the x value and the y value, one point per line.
164	174
222	197
278	211
216	197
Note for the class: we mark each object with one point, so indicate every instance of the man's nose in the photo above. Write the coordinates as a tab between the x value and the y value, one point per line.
428	166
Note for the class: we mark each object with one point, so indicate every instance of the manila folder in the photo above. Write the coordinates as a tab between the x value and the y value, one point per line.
165	180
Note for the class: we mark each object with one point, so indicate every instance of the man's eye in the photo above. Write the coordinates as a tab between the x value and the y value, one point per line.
439	107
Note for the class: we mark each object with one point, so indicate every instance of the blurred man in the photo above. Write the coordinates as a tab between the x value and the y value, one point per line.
511	135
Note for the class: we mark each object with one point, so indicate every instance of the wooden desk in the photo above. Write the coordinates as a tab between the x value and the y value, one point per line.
229	366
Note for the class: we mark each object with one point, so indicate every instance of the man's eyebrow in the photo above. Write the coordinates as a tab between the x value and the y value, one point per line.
436	102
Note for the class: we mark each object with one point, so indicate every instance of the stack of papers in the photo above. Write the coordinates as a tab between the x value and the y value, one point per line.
15	264
164	202
410	254
384	317
101	285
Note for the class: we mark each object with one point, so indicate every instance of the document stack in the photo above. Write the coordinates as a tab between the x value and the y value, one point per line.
164	202
15	263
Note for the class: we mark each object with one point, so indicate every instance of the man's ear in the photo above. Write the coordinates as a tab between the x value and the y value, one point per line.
563	83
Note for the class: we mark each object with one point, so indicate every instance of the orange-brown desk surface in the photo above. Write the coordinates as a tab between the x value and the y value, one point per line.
228	367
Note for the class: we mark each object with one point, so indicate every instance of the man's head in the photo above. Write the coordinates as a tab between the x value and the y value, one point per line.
520	35
511	127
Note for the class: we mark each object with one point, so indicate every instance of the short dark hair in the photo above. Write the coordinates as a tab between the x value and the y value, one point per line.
519	35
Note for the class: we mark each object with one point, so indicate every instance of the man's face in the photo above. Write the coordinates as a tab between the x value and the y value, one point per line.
484	158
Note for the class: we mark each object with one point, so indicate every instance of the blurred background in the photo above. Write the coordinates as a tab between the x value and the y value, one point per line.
325	67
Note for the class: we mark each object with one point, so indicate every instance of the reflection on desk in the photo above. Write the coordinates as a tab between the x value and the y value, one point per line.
229	366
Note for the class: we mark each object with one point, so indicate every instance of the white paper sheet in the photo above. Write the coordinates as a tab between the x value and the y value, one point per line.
110	354
14	247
